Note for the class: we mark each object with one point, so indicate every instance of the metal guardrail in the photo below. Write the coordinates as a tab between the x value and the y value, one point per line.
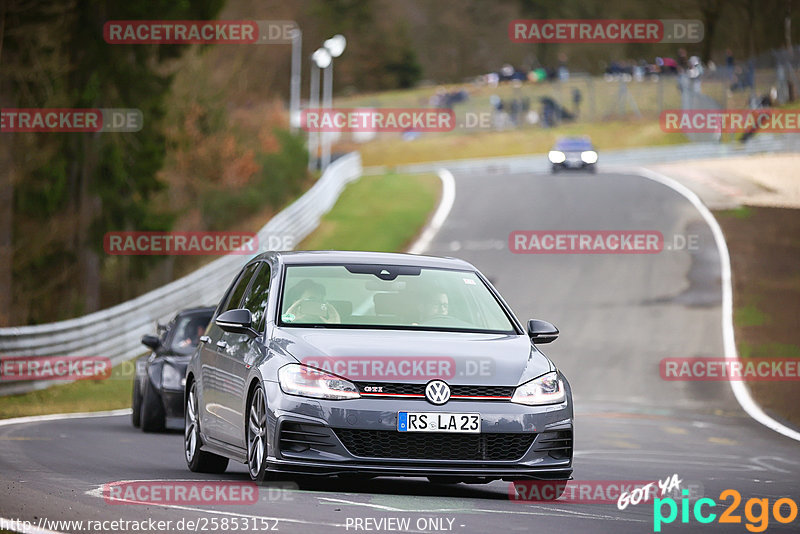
759	144
116	332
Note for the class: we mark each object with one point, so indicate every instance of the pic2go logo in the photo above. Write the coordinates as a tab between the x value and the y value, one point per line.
758	522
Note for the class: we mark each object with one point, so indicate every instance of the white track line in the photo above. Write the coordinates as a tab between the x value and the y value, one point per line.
61	416
740	391
98	492
442	211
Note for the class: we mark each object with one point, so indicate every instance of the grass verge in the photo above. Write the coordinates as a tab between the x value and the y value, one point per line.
391	150
380	213
766	289
111	393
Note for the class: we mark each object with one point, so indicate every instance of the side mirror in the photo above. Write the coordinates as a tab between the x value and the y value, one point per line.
238	321
542	331
151	342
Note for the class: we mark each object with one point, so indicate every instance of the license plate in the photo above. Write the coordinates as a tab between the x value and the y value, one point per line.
469	423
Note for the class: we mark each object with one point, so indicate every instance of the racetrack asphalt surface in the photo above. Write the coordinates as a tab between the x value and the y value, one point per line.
619	315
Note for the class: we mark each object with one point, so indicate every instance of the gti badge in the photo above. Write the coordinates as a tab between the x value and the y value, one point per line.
373	389
437	392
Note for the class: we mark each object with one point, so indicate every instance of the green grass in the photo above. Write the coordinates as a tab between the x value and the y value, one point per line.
742	212
111	393
379	213
769	350
750	316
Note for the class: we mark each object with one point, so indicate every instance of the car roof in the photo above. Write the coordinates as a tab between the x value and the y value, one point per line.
320	257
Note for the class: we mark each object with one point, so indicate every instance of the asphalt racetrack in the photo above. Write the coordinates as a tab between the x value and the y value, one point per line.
619	315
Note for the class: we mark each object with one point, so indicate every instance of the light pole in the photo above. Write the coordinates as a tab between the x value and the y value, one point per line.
320	59
294	85
335	46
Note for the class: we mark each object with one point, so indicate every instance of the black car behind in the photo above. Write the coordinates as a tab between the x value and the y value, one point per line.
159	382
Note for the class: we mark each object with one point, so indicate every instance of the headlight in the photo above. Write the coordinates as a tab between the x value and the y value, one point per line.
589	156
170	377
556	156
296	379
546	389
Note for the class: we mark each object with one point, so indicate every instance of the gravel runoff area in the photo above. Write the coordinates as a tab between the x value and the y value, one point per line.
765	180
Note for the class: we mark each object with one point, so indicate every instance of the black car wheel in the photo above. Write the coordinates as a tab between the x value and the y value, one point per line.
152	412
136	404
197	460
257	436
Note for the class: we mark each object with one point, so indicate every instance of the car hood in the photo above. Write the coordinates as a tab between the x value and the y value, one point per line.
417	357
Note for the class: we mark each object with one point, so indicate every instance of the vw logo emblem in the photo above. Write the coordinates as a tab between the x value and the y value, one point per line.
437	392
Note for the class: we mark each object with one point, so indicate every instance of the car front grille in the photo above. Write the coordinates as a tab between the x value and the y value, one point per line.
434	445
389	389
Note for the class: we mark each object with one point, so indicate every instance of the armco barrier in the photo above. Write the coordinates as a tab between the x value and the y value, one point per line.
115	332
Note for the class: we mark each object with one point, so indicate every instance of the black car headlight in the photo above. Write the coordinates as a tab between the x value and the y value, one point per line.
547	389
296	379
171	378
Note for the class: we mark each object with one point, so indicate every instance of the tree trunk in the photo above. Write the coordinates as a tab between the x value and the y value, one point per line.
88	259
7	170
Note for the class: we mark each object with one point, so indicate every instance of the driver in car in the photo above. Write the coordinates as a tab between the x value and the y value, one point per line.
434	305
309	304
192	333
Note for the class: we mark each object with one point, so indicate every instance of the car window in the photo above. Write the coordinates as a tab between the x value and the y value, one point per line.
257	296
187	332
235	295
403	297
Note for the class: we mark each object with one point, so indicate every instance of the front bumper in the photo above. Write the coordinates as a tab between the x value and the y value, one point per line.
316	437
573	165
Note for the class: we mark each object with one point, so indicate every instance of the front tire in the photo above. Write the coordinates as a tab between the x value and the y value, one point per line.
198	461
136	404
152	417
257	437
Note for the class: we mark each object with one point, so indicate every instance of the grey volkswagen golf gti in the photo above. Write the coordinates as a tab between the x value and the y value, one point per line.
374	364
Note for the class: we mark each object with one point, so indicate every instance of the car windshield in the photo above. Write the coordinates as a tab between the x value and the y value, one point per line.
390	296
187	332
573	145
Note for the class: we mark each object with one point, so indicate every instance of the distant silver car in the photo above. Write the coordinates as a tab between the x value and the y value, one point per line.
573	153
335	363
